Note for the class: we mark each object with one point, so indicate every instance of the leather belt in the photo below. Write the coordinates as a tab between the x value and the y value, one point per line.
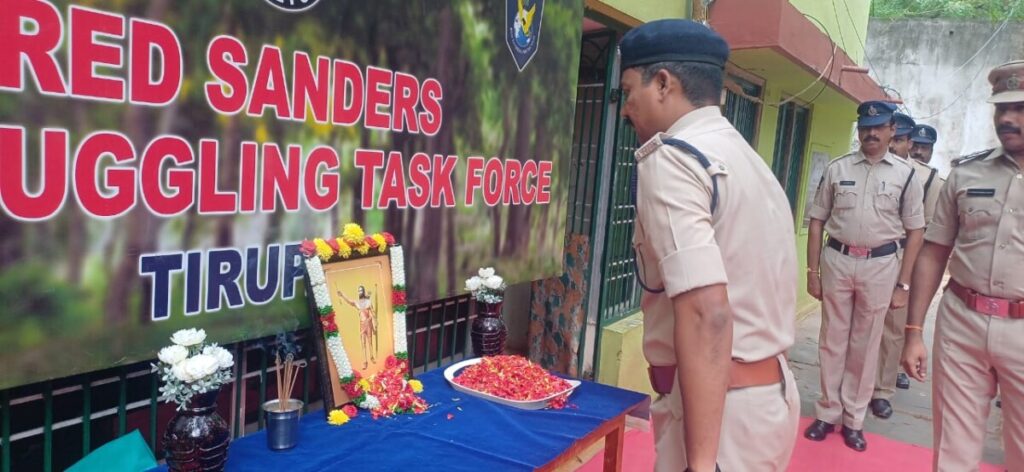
992	306
741	375
863	252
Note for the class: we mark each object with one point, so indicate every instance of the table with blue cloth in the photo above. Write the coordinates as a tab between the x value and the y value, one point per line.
458	432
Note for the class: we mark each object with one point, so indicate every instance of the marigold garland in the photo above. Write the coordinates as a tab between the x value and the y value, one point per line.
514	378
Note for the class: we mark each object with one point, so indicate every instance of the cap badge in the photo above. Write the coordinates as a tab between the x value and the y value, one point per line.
1013	83
872	111
922	132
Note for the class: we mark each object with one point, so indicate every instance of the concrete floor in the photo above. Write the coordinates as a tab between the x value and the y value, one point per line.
912	420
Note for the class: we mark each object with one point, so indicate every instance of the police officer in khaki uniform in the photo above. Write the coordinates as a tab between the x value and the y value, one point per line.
924	138
900	144
979	331
866	201
921	139
716	255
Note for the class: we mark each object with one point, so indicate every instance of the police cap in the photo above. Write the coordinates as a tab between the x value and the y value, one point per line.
874	113
1007	83
672	40
924	134
904	124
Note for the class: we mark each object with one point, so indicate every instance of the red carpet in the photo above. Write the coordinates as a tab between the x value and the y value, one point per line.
883	455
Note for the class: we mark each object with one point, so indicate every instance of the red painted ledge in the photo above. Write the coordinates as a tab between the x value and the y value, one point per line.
779	26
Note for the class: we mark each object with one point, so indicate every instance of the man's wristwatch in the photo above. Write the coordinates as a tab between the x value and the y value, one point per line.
903	286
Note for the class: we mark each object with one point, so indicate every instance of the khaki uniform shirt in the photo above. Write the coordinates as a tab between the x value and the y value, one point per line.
859	202
981	215
748	243
931	194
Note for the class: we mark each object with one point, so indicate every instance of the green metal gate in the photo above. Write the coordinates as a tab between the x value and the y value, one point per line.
603	160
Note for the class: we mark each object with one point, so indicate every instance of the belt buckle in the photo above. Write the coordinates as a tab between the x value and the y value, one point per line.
859	252
991	306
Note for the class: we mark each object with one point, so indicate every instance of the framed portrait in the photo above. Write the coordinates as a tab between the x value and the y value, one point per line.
356	292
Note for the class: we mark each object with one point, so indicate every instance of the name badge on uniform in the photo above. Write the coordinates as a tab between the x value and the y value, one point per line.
847	183
981	192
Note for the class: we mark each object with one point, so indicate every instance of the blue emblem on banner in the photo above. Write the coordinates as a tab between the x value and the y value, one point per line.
522	29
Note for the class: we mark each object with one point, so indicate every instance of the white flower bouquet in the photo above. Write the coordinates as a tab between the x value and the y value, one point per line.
486	286
189	367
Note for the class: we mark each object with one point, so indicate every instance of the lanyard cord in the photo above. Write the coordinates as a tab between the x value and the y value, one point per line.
687	147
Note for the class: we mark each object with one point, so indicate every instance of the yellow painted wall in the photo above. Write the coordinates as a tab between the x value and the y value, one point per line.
622	360
641	10
845	21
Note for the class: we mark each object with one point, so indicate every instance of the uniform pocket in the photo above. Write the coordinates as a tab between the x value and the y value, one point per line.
845	200
979	218
887	201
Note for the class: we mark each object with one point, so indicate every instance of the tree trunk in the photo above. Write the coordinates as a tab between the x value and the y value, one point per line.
427	257
518	215
141	227
358	214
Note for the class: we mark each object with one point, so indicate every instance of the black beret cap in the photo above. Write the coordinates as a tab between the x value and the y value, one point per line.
672	41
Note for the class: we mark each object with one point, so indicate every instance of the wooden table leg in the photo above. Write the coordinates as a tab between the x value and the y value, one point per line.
613	447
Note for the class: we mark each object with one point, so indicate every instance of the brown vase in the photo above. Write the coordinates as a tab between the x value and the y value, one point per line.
488	331
197	437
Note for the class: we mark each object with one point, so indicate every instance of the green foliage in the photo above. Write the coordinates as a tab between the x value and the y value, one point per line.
35	302
993	10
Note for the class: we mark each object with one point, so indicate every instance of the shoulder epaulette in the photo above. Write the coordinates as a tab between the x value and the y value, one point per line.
972	157
837	159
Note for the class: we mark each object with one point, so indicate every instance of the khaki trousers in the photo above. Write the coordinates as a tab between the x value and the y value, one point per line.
889	353
973	355
855	297
759	428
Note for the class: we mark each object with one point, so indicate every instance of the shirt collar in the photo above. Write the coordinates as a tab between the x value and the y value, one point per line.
888	158
1000	152
693	118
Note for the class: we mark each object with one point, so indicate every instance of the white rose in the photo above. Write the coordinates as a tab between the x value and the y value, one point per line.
181	373
188	337
223	356
494	282
201	365
486	272
173	354
473	284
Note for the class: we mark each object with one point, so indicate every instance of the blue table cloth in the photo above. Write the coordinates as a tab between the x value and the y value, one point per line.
479	436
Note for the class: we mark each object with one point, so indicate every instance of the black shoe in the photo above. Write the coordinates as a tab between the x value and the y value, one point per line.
854	439
881	408
818	430
902	381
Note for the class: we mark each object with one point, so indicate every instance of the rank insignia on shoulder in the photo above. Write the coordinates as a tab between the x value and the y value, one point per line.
652	145
972	157
981	192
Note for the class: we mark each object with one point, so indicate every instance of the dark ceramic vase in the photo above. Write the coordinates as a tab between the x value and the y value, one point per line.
488	331
197	437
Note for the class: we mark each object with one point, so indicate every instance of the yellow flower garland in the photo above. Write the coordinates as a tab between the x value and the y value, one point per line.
344	250
382	245
323	251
